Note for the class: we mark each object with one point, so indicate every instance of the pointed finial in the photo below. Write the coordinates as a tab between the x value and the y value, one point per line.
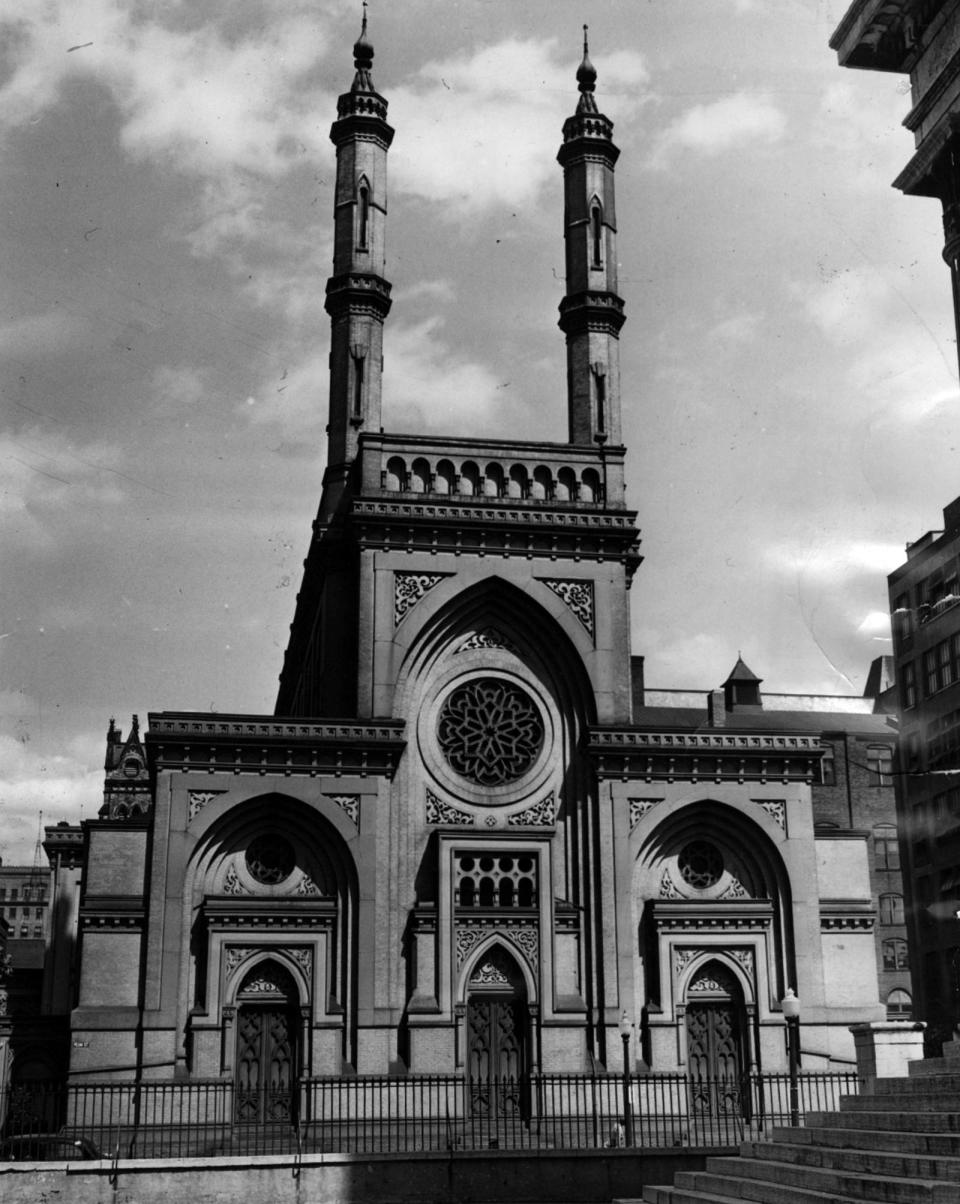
363	57
586	79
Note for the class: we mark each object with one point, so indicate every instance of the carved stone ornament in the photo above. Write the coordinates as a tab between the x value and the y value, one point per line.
307	886
489	975
262	986
745	959
304	959
578	595
439	812
408	589
683	958
524	937
715	980
776	808
735	890
232	884
235	954
668	888
349	804
639	808
490	731
489	637
198	799
540	815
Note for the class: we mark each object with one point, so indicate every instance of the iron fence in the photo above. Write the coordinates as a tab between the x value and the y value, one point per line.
401	1114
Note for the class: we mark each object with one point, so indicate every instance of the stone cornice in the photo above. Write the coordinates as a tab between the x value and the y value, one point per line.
262	745
594	310
480	529
358	292
690	916
704	755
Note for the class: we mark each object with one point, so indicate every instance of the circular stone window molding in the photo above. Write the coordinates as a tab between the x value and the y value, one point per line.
488	737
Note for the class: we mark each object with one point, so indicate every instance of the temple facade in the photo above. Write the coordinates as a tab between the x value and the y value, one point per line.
469	841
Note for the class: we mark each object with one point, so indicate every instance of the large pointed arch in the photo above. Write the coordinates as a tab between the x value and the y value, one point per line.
237	919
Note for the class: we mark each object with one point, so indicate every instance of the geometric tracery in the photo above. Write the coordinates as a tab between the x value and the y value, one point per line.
490	731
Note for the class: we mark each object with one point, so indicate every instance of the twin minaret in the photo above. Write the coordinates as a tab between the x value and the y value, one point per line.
358	294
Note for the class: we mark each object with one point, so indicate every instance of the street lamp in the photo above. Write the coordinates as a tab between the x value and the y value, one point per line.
625	1027
790	1006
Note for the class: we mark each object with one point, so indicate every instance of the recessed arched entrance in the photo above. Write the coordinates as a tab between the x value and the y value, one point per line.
497	1031
716	1039
266	1062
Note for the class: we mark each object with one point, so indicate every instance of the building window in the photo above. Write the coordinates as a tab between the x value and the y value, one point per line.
363	216
886	848
13	893
492	880
3	893
880	764
899	1005
930	670
908	685
596	231
895	955
902	619
891	909
828	766
38	930
38	913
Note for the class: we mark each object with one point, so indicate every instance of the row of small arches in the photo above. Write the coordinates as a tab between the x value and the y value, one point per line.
493	481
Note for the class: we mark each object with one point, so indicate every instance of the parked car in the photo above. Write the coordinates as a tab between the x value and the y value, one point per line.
47	1147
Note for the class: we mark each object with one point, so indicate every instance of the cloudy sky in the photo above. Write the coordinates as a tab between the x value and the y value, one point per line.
789	367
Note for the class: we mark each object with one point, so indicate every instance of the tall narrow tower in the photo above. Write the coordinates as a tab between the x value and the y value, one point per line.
591	313
358	295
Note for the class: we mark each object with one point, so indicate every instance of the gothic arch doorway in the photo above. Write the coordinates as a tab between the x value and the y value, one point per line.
266	1062
498	1024
716	1040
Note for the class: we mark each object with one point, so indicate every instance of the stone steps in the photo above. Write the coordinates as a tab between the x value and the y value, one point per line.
900	1144
921	1144
865	1162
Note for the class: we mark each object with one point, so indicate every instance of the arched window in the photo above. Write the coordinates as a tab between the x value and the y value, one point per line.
895	955
596	233
363	215
891	909
886	848
880	764
899	1005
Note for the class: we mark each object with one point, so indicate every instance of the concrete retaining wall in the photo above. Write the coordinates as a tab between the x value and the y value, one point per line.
505	1177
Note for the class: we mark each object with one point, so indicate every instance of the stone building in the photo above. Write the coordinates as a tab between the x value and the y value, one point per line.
469	841
921	39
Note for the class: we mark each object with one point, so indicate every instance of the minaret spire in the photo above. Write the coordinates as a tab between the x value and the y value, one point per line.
586	79
358	294
591	313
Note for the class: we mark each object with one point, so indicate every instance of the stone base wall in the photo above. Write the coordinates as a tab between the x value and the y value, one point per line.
500	1177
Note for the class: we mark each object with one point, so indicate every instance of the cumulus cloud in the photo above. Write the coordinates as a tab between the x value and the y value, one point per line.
829	559
432	386
45	477
59	784
223	105
742	120
482	129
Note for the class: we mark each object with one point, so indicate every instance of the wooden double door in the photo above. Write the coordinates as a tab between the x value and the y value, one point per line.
715	1056
497	1066
266	1064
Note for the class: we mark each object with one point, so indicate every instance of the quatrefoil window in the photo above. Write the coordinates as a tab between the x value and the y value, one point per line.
490	731
700	864
270	859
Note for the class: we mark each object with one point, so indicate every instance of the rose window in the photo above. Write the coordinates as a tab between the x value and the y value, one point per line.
700	865
270	859
490	731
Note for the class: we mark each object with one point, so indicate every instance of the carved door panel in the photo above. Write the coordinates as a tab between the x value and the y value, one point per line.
715	1055
265	1065
495	1056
